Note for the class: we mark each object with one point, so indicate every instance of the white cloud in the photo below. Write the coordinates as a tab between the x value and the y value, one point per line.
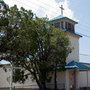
68	12
44	7
57	11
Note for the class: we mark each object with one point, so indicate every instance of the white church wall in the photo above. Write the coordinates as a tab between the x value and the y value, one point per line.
5	80
74	44
4	77
60	80
84	79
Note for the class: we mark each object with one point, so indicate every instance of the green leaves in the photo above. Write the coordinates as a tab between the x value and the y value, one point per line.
33	44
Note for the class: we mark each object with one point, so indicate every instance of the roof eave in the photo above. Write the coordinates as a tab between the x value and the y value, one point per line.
63	18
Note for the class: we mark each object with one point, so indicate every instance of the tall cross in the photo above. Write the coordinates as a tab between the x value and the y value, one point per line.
62	10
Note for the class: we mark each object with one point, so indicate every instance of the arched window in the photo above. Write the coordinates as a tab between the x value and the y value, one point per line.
62	26
69	26
57	24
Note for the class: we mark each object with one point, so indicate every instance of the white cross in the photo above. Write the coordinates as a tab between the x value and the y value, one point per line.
62	10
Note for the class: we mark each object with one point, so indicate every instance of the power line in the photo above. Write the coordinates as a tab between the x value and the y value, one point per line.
85	24
25	4
83	28
54	7
85	55
44	4
40	5
83	35
35	6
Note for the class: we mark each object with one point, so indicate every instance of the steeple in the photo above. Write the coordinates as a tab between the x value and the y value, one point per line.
64	23
62	10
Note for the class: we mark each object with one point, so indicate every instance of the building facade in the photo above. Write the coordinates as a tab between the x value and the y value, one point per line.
71	79
68	79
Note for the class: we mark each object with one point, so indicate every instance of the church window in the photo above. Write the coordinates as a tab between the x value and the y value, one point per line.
62	26
69	27
66	25
57	25
72	27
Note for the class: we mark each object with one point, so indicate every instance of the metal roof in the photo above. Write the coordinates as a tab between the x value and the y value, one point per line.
62	17
74	64
58	17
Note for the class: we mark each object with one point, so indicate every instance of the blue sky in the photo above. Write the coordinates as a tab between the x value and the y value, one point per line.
74	9
82	13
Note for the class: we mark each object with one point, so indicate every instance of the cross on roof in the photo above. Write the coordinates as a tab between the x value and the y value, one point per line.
62	10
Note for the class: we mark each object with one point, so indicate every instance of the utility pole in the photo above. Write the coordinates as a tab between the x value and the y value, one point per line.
87	80
11	77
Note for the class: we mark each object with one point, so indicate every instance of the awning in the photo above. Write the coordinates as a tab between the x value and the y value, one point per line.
77	65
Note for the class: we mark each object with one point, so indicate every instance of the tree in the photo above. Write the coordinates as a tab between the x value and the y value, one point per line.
33	44
3	13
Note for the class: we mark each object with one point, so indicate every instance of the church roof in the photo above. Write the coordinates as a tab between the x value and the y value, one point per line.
77	65
58	17
62	17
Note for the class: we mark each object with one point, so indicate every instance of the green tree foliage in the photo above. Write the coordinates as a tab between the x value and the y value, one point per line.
3	13
33	44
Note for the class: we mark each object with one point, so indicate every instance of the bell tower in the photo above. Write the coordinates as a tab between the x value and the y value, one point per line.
64	23
68	25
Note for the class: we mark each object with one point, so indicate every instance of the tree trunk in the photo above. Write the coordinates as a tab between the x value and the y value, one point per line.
43	86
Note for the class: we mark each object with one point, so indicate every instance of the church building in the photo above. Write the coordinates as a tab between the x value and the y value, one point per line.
72	78
76	76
